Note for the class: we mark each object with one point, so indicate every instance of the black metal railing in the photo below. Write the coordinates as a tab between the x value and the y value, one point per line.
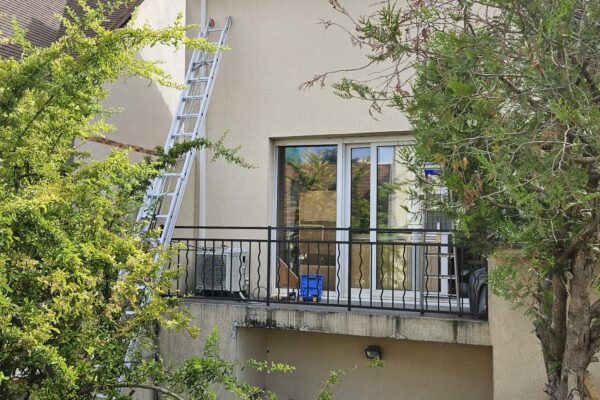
391	269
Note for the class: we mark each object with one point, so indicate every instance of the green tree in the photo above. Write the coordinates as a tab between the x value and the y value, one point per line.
66	226
504	96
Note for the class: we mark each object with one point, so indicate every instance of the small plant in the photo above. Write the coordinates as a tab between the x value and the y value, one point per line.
334	378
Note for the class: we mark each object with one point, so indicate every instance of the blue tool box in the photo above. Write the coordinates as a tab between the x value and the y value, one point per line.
311	286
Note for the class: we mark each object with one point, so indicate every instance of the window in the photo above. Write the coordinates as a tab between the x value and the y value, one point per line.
306	204
363	185
379	199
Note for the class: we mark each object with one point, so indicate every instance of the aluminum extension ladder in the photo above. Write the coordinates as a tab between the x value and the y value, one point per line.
164	196
163	199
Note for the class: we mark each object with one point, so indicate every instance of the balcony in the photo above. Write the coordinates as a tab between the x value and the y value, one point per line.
420	272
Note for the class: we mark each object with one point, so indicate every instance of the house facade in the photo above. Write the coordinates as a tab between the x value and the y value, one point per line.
321	165
317	253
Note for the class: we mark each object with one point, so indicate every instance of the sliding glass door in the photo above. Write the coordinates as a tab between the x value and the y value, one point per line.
324	189
379	201
306	215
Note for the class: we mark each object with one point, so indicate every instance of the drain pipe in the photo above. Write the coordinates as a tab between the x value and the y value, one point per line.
201	159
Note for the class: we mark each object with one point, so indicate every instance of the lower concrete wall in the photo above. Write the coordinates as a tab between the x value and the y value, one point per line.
426	358
436	367
412	370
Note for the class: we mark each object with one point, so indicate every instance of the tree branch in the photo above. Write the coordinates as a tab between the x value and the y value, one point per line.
158	389
578	240
586	160
503	205
518	91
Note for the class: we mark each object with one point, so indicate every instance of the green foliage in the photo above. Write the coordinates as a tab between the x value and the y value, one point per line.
200	376
504	97
334	378
312	172
66	230
375	363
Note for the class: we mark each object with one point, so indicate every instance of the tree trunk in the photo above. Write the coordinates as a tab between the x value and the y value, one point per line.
566	344
577	358
551	331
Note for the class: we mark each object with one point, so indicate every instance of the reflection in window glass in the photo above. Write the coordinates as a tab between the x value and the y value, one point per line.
360	212
360	187
307	199
393	199
393	212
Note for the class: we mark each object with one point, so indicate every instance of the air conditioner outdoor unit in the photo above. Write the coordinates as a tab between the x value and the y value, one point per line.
221	269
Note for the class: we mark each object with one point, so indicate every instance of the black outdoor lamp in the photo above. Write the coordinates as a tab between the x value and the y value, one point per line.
373	351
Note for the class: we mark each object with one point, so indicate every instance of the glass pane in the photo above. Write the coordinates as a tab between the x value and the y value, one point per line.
307	203
360	213
394	262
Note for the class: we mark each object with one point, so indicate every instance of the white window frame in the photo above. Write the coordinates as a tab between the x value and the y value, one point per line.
344	145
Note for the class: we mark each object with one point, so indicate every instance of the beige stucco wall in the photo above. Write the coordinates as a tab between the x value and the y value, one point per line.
275	46
518	363
412	370
147	109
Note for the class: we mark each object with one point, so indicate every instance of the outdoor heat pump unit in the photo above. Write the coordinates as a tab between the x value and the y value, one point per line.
221	269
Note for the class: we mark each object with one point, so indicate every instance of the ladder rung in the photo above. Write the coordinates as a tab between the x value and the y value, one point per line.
171	174
183	134
161	194
188	116
193	97
201	79
215	30
129	313
201	63
161	216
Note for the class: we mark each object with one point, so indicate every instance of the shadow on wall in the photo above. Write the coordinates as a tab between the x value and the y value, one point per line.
144	119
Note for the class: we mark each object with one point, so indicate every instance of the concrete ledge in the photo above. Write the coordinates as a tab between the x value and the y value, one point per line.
371	323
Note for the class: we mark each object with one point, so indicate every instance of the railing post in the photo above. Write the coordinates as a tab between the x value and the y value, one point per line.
421	250
269	266
457	278
349	268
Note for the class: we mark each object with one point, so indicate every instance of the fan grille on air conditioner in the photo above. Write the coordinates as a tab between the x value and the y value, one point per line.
221	269
210	272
